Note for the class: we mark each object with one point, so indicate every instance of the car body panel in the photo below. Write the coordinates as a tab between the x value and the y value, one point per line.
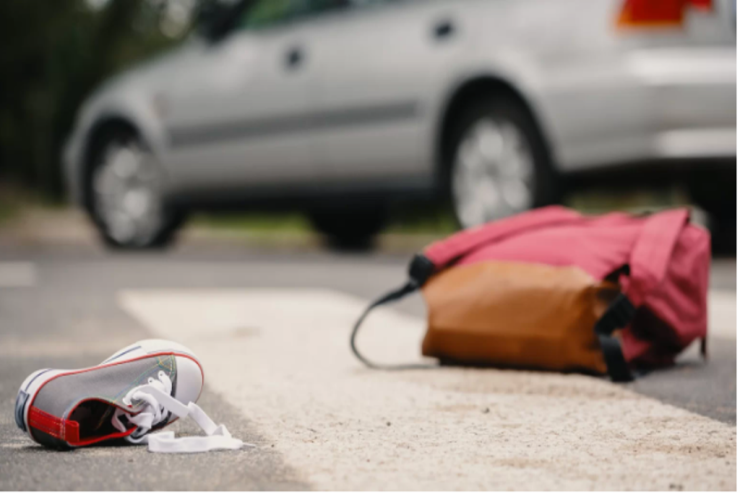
365	107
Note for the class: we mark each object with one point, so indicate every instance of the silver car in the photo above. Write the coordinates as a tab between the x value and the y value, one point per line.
342	107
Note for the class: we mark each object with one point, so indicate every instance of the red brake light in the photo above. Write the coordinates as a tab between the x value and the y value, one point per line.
658	13
705	5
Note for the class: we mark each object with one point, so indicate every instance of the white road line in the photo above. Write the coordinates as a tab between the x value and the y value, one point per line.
282	357
17	274
723	314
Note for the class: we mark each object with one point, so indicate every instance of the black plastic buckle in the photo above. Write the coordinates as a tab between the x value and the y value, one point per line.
421	269
618	315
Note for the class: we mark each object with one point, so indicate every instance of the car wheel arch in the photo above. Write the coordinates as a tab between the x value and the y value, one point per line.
463	94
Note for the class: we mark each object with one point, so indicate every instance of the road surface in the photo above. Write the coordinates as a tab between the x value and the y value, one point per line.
271	329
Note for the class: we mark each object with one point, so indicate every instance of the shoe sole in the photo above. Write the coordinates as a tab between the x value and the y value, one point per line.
185	357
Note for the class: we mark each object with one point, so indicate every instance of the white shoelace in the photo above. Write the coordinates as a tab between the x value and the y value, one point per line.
158	403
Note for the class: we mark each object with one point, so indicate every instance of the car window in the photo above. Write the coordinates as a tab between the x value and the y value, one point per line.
267	13
264	13
368	3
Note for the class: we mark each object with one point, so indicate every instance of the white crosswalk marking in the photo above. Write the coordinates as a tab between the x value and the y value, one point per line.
17	274
282	357
723	314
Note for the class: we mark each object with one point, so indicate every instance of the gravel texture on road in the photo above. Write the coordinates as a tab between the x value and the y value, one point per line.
281	357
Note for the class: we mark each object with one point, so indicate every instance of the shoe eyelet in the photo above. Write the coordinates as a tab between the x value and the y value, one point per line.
151	380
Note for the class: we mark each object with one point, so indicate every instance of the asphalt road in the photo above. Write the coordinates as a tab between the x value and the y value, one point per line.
61	308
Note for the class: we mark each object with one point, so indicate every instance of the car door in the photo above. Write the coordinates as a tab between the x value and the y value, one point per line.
234	123
380	65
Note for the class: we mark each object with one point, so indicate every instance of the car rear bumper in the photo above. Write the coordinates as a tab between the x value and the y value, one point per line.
656	105
695	143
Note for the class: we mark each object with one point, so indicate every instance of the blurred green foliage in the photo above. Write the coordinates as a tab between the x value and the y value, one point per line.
54	53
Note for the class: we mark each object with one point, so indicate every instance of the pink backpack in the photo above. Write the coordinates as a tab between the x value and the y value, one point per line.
660	264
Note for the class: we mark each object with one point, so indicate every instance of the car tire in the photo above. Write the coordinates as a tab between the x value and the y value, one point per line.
123	190
713	190
498	163
349	229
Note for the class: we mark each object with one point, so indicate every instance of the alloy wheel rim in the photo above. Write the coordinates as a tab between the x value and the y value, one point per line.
127	194
494	173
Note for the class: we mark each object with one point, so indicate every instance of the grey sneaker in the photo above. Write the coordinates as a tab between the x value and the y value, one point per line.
140	389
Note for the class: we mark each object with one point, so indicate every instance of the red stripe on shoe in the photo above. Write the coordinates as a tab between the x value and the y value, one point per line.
69	431
66	430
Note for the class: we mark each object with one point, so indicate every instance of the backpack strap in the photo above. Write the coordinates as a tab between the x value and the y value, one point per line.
420	270
444	252
619	314
648	265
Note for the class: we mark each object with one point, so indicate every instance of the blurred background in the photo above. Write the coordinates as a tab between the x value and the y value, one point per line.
611	104
56	54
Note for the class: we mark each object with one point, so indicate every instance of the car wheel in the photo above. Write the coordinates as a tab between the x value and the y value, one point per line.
350	228
125	198
499	164
714	191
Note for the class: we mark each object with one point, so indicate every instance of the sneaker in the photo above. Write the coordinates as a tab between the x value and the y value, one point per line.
137	391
